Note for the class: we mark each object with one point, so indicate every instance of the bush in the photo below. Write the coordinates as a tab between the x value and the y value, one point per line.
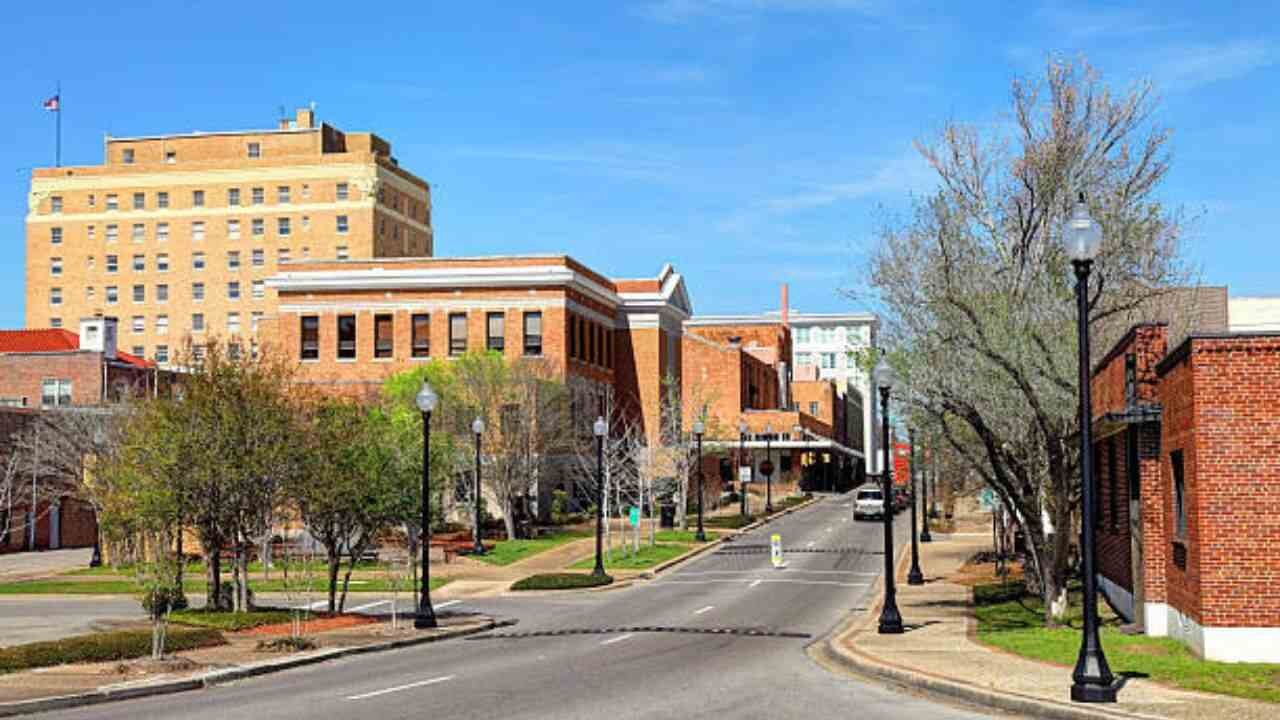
286	644
559	506
561	581
102	647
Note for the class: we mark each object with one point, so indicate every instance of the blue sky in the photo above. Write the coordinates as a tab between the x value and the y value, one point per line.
748	142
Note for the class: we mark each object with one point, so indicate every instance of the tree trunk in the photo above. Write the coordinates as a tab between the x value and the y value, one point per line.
509	517
242	587
333	560
213	565
354	556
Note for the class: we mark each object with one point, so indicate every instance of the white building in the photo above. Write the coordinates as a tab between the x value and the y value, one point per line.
1254	314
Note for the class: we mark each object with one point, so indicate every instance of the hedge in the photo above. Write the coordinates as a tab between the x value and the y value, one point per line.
103	647
561	581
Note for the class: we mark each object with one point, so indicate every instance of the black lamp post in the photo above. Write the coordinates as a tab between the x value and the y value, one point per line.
1093	681
477	427
766	467
742	455
924	498
890	618
915	577
426	617
698	429
599	428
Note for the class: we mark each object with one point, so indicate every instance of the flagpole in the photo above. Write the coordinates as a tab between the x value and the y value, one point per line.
57	151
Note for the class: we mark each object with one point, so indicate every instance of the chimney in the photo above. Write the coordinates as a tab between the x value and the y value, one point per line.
306	118
786	306
98	334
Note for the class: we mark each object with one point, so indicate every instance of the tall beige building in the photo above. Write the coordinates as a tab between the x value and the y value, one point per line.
175	235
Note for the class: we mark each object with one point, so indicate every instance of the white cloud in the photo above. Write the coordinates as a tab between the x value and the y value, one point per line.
1187	67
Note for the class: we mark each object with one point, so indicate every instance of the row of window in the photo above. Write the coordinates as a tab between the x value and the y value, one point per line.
804	335
257	258
111	293
257	196
420	335
127	156
257	228
827	360
590	342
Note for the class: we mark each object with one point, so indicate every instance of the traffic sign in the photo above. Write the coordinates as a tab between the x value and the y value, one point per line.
987	499
744	474
634	516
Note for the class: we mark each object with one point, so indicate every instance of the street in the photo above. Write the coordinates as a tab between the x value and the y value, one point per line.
676	646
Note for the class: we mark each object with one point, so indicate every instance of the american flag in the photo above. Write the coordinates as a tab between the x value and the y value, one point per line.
52	104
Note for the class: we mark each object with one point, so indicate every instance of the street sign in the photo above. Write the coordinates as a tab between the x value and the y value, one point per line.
987	499
775	550
634	516
744	474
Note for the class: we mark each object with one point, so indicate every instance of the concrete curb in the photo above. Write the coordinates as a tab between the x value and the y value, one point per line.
219	677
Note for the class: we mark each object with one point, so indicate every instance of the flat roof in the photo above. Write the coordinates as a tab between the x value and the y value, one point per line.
211	133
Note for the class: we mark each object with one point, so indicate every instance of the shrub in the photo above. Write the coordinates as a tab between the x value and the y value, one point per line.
286	644
102	647
561	581
559	506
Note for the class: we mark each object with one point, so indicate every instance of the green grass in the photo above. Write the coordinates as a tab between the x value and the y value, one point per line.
688	537
729	522
230	621
192	586
103	647
506	552
648	556
1012	620
255	568
561	581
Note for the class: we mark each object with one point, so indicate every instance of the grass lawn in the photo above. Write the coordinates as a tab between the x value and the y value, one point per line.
230	621
1012	620
648	556
560	581
506	552
192	586
255	568
682	536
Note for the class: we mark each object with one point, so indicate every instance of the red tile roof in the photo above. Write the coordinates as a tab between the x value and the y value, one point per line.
51	340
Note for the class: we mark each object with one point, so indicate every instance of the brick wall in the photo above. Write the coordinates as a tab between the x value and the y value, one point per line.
21	375
1114	540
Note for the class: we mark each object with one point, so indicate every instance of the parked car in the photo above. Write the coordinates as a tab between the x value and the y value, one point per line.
869	502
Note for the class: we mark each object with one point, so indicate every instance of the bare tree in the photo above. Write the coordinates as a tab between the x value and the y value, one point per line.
976	290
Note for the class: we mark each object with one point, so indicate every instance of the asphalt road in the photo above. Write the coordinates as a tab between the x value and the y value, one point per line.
673	647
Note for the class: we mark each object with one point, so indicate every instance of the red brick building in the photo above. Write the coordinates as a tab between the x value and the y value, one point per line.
56	368
1187	460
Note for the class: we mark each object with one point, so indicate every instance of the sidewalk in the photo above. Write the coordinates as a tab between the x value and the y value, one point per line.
42	563
939	654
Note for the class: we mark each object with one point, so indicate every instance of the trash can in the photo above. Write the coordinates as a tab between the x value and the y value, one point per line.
668	519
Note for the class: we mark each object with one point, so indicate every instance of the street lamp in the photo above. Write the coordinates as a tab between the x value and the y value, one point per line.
797	433
766	467
698	429
890	618
924	496
1093	681
427	401
742	455
599	428
915	577
477	427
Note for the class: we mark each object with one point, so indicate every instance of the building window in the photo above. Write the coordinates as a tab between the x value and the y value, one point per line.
254	318
89	262
282	226
197	231
346	337
139	293
233	260
113	294
113	233
170	157
197	322
162	354
162	262
139	201
127	156
343	227
139	263
259	226
197	198
343	253
162	232
259	289
162	324
55	236
383	336
89	293
113	201
802	335
343	192
1113	487
55	296
310	337
93	200
197	291
233	323
139	324
233	229
139	232
138	351
55	204
259	257
1179	496
457	333
233	290
233	197
90	233
533	333
55	393
282	194
162	199
813	409
282	255
306	222
828	361
55	266
421	341
495	331
162	293
197	353
257	195
255	150
197	261
306	252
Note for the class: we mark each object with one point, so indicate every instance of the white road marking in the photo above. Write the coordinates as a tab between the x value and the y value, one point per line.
811	543
314	605
620	638
445	604
753	572
760	580
757	582
705	609
366	606
398	688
